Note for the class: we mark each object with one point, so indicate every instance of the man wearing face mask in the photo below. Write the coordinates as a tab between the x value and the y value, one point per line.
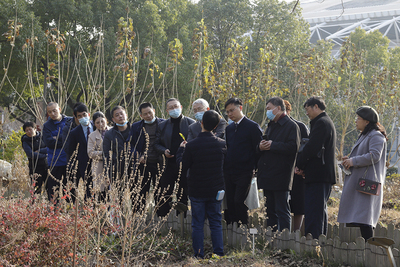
78	141
200	106
276	165
144	153
168	139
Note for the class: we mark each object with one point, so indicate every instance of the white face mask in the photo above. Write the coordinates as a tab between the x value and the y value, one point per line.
150	122
175	113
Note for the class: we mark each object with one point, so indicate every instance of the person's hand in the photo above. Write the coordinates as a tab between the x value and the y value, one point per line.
142	160
167	153
54	137
299	172
265	145
347	162
183	144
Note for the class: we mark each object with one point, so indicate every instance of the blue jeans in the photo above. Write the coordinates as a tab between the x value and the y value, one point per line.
211	207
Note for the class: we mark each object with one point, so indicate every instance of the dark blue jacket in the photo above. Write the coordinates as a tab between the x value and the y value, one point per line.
242	143
30	145
204	158
138	140
114	141
77	136
52	137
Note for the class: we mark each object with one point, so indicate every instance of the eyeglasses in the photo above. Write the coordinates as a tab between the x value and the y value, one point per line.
227	112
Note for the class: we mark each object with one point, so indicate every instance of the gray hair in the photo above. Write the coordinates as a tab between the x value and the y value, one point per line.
201	101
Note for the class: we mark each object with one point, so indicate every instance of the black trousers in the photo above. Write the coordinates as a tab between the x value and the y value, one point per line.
146	175
237	187
52	185
316	211
167	183
40	178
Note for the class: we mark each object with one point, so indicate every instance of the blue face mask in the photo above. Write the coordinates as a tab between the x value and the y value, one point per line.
175	113
230	121
121	124
150	122
199	115
84	121
270	114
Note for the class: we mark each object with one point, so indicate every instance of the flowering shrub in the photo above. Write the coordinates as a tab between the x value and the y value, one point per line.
38	234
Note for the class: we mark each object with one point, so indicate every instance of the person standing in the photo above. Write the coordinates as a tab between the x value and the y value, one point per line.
116	147
277	161
204	157
200	106
168	138
56	156
367	160
317	164
36	151
78	141
95	153
143	150
242	139
296	202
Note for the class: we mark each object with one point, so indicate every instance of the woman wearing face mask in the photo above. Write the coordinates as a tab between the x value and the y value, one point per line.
95	152
356	208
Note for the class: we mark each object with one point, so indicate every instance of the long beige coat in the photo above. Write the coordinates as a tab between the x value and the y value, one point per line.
95	152
356	207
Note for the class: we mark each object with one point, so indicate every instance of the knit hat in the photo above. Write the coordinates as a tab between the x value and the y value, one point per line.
368	113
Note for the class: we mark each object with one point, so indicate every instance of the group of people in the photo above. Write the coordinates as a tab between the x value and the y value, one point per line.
208	157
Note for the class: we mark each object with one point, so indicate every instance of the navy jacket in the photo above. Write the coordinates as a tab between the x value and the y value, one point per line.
30	145
138	140
203	157
52	137
115	142
76	137
242	146
318	156
276	166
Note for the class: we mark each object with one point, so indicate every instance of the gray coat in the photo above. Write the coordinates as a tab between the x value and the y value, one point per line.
195	129
356	207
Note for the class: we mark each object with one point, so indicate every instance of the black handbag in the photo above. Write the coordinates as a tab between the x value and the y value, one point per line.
367	186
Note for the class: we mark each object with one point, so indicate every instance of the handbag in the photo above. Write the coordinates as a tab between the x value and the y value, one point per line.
303	143
367	186
252	201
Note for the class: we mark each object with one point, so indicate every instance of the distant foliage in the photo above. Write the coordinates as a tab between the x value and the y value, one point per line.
11	146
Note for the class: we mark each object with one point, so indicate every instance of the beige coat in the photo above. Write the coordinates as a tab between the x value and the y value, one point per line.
95	152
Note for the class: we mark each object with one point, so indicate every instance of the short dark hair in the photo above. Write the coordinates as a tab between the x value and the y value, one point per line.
28	124
145	105
277	102
115	108
80	107
315	100
172	99
210	120
234	100
98	114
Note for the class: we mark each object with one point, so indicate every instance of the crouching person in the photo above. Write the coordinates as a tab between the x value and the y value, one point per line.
203	157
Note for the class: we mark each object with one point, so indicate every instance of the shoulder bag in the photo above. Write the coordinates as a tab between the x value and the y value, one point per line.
367	186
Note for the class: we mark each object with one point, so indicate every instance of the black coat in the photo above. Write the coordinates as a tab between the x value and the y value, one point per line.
164	133
114	141
195	129
276	166
318	163
204	157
